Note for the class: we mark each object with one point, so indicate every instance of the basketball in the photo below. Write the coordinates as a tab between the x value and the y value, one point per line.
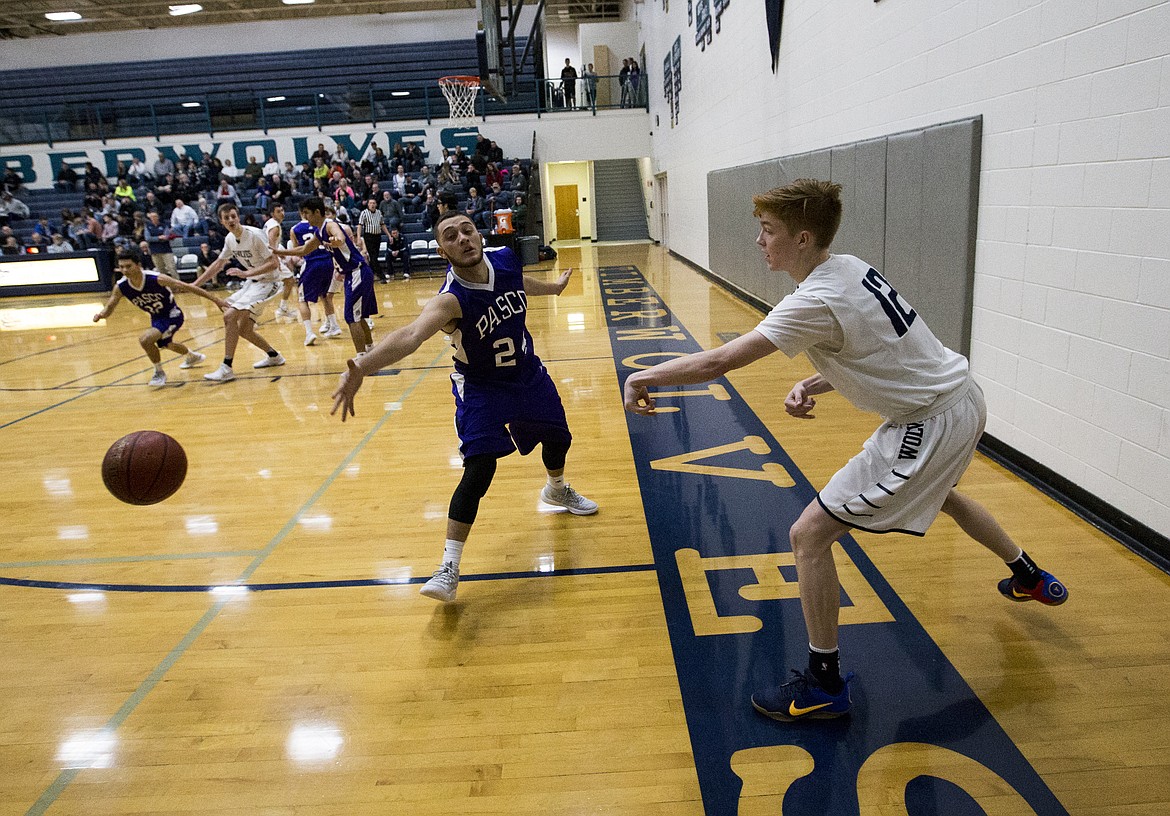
144	467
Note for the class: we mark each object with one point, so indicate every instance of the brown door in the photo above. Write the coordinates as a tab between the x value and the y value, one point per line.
568	220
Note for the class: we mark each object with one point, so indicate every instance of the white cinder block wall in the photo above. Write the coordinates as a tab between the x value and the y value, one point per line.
1071	329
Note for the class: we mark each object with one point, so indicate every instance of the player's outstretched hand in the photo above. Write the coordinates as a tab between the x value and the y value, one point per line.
351	381
237	273
222	304
799	402
637	399
99	316
563	280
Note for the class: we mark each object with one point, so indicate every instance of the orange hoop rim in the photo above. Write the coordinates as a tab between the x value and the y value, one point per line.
466	81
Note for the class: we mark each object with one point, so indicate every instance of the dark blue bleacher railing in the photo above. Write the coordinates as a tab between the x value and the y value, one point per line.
266	91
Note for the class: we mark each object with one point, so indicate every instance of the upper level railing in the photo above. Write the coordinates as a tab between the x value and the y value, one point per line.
300	106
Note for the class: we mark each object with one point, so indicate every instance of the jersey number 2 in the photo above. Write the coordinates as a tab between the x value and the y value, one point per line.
901	316
505	352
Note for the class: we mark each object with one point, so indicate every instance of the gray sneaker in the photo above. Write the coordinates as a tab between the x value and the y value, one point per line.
443	584
221	374
269	362
193	359
569	499
159	378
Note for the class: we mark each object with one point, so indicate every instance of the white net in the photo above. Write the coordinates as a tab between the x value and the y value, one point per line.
461	93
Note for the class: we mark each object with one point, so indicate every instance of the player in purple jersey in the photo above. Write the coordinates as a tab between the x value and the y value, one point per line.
152	293
360	301
504	398
317	274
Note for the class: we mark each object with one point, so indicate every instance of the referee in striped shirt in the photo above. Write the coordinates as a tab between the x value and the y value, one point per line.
373	227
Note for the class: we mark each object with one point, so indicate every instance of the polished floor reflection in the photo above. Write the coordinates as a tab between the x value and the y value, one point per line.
257	644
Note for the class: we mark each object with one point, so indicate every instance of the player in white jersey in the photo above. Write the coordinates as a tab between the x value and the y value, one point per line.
865	341
274	232
249	246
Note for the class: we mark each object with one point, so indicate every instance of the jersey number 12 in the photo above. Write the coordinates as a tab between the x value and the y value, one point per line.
900	314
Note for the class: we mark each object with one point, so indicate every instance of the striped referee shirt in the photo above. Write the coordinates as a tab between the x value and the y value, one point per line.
370	222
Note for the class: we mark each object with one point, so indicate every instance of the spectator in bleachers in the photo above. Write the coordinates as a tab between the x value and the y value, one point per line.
184	219
414	157
150	203
147	261
340	155
252	173
36	245
138	229
363	185
207	174
344	197
406	188
391	209
162	167
495	153
482	145
229	172
519	213
204	210
226	193
204	258
158	237
44	228
448	180
430	208
79	234
263	193
272	167
492	175
94	176
66	178
381	163
320	169
109	230
165	190
397	252
291	175
460	159
121	170
498	198
321	153
517	180
122	192
397	156
282	193
11	208
11	246
426	178
216	235
137	172
184	188
59	245
474	207
92	197
13	180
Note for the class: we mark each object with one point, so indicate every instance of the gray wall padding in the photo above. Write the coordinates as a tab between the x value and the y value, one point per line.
911	203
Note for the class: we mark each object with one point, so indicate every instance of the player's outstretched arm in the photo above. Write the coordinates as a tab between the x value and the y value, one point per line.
439	312
111	304
694	368
536	286
176	285
300	250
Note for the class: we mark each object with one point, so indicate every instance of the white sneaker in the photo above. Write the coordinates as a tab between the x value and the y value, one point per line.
269	362
283	311
159	378
443	584
222	374
324	328
334	332
193	359
310	339
568	498
406	276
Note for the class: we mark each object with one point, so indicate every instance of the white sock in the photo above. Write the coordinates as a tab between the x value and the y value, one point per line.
158	367
308	327
452	552
556	482
369	347
332	320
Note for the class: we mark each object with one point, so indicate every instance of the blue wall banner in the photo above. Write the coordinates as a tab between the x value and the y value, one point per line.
720	495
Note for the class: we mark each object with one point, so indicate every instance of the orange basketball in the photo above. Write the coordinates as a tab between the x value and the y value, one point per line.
144	467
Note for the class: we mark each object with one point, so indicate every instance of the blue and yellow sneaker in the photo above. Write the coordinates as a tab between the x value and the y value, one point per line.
1048	591
802	698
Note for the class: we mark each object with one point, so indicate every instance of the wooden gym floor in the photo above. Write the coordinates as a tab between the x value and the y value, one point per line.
141	677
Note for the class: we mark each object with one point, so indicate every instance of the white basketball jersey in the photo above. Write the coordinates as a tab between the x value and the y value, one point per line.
250	249
867	341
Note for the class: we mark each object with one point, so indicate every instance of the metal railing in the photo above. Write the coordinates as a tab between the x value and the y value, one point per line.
373	103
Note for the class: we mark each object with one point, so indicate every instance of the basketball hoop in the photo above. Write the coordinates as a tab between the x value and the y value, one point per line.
461	92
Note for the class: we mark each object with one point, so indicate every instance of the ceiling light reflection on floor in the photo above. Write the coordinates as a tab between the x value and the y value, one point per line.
314	743
92	749
36	318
